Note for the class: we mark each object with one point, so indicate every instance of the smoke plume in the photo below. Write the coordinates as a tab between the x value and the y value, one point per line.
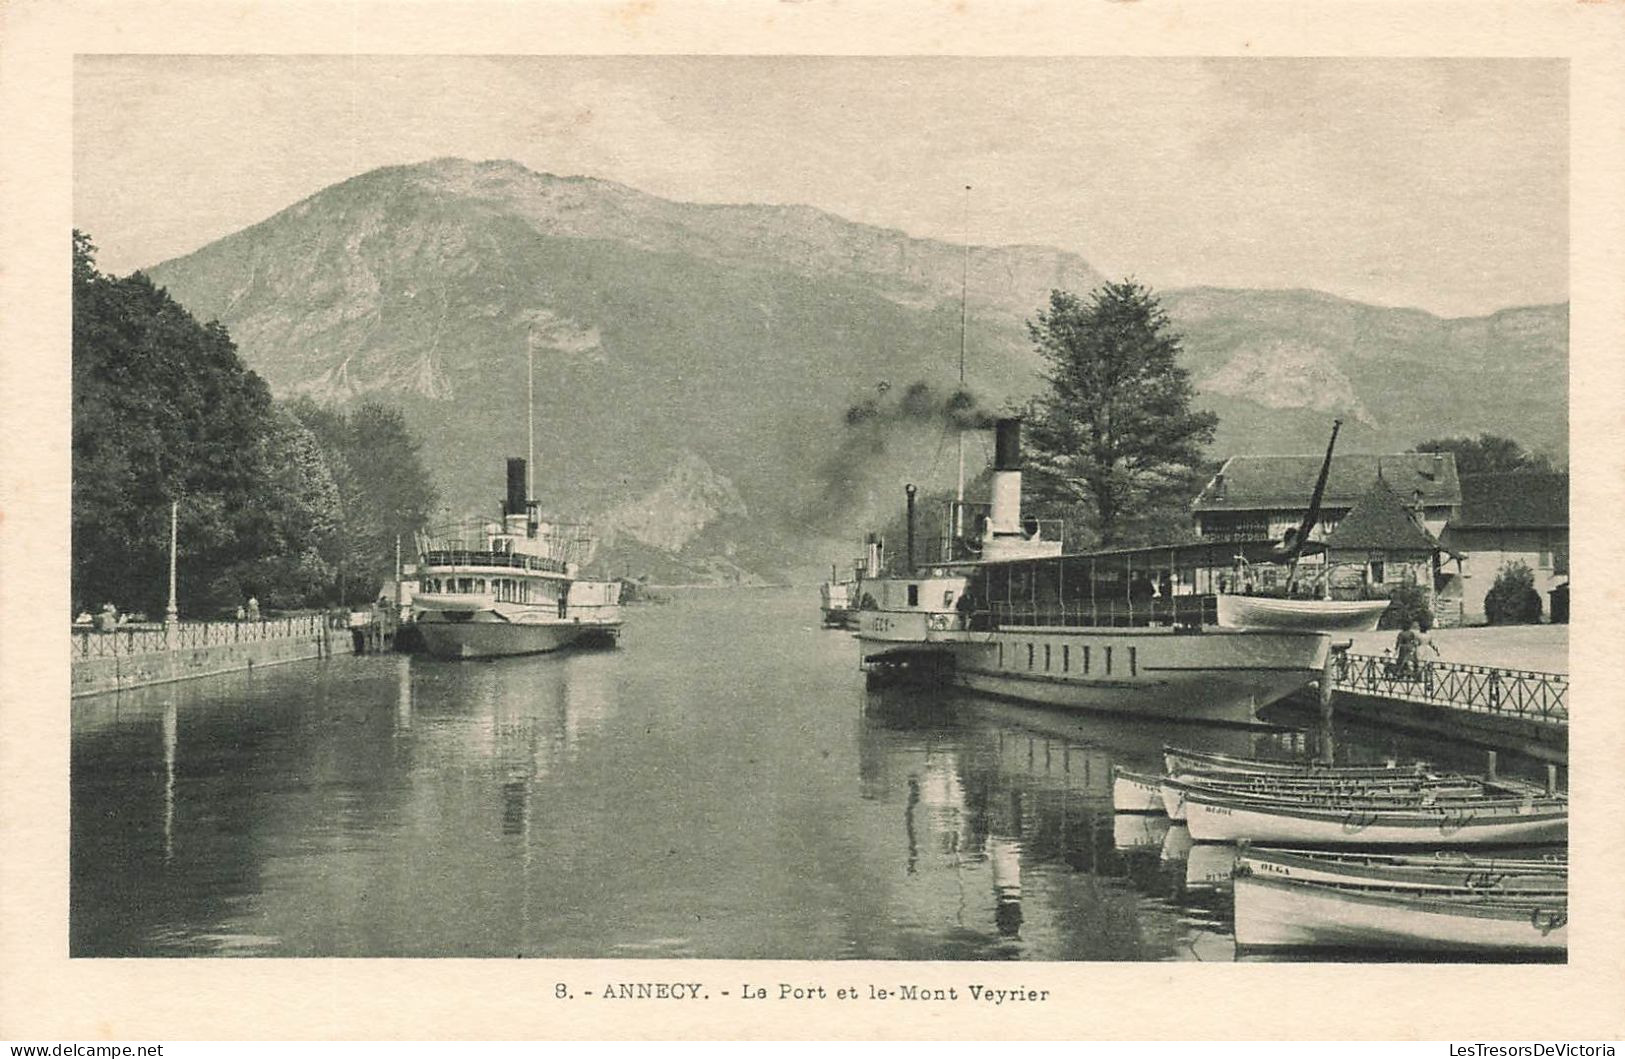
846	477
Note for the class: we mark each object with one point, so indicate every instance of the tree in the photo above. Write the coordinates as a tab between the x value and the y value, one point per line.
1114	436
163	410
1488	454
1512	600
383	490
1407	603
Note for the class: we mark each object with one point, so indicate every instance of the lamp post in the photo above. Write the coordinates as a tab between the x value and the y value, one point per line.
172	613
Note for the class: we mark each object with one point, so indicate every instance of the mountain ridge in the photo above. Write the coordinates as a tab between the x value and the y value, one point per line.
737	335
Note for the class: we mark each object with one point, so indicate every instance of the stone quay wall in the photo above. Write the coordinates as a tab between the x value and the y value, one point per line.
134	657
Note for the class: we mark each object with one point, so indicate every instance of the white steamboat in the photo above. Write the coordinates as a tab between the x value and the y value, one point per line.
511	587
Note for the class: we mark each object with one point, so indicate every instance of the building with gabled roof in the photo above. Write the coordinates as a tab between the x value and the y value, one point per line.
1509	518
1382	544
1261	496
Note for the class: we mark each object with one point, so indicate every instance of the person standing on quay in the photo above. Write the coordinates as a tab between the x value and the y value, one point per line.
253	608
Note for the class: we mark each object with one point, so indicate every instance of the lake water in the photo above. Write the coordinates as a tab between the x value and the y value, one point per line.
722	785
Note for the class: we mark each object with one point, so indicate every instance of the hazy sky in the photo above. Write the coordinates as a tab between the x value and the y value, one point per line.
1441	184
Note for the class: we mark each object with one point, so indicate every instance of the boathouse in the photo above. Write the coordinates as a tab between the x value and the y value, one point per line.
1509	518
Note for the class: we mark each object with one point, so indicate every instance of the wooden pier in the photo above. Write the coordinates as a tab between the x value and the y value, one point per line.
377	634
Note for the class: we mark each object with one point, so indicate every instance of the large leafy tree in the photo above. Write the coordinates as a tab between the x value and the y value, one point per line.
1488	454
1113	436
292	504
383	490
163	410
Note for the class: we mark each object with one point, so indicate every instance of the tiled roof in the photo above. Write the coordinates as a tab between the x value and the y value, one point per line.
1252	483
1513	501
1380	522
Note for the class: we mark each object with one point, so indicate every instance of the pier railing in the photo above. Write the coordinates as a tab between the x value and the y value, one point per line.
128	640
1523	693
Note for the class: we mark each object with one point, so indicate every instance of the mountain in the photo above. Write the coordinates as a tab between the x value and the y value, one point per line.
694	363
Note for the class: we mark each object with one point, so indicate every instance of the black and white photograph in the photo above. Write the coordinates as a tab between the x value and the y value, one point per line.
928	513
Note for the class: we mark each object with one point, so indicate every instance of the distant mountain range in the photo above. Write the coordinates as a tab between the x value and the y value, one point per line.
695	362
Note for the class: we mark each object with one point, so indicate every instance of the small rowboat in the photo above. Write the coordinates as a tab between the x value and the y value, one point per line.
1176	761
1136	792
1442	872
1289	913
1395	790
1225	817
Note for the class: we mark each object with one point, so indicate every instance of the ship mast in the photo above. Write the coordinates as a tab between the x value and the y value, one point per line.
957	527
530	419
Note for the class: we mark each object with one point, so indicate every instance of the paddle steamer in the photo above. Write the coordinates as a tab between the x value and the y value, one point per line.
1132	631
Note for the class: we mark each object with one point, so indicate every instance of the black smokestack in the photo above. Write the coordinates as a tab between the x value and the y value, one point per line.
516	487
909	491
1007	445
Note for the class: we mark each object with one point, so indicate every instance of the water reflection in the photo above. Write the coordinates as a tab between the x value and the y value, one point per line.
723	786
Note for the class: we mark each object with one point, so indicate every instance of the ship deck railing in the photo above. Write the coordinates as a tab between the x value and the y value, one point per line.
1526	693
1178	612
488	559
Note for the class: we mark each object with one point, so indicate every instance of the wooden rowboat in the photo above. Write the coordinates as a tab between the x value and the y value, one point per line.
1225	817
1398	790
1177	760
1289	913
1456	873
1136	792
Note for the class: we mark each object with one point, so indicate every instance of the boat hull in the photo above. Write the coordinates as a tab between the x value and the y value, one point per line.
1418	789
1431	873
1278	913
1133	792
1447	825
1176	760
500	639
1215	676
1321	615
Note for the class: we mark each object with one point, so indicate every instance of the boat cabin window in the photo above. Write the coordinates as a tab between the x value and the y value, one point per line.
1377	571
948	600
1029	656
1066	658
913	595
1046	658
1001	656
1133	661
1108	661
1086	658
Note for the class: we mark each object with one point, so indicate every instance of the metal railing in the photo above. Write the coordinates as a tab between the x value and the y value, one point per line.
504	560
142	639
1180	610
1529	694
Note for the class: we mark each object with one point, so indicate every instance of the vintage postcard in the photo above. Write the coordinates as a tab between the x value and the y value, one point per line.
709	521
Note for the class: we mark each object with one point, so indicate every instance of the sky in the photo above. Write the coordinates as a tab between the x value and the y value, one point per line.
1440	184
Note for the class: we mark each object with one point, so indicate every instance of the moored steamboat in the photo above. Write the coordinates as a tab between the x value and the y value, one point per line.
1133	631
511	587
